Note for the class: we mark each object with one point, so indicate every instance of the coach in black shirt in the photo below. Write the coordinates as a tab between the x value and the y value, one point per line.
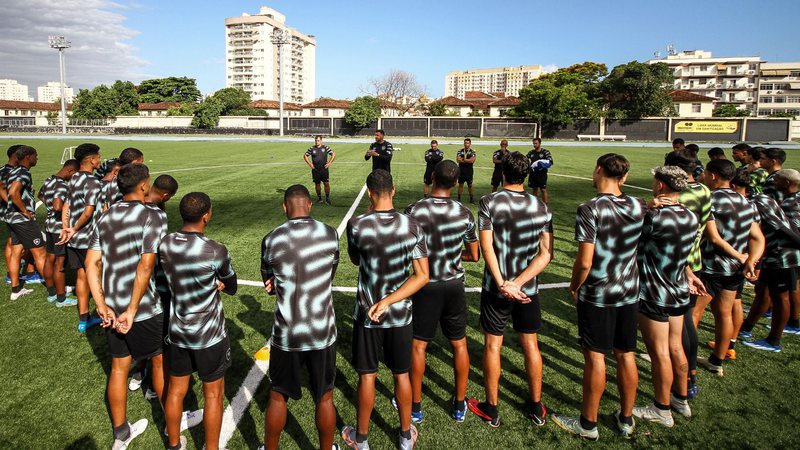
381	153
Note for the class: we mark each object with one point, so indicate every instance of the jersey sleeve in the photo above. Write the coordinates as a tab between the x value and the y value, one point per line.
154	230
470	234
308	152
60	192
93	192
223	265
94	239
420	247
328	150
484	215
387	152
585	225
352	246
266	266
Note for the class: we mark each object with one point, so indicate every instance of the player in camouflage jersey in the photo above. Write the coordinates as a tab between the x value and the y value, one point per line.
119	268
317	159
758	176
5	173
432	157
197	269
466	167
448	227
383	243
298	262
497	159
53	195
605	285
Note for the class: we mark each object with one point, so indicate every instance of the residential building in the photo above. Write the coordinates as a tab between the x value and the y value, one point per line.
157	109
689	104
730	80
326	107
477	103
12	90
51	92
18	113
779	89
272	107
508	80
251	59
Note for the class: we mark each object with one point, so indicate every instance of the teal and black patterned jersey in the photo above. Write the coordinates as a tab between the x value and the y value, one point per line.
517	221
21	175
5	172
384	243
770	189
697	199
53	188
668	235
613	224
83	190
781	250
791	206
734	216
757	179
302	255
127	231
194	266
446	224
319	156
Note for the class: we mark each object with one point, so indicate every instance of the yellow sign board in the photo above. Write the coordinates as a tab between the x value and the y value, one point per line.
716	126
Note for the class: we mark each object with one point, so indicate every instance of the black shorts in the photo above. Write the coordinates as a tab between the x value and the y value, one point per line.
602	329
442	303
210	363
320	175
779	281
58	250
497	178
76	258
538	180
394	343
428	177
716	283
285	370
497	311
660	313
145	339
465	173
27	233
12	236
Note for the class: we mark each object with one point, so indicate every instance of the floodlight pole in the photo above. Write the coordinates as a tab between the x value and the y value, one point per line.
280	37
60	43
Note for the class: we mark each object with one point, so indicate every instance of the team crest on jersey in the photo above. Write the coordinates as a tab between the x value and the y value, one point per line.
37	242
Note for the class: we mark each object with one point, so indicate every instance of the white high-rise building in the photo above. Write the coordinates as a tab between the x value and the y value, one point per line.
779	89
51	92
12	90
251	59
508	80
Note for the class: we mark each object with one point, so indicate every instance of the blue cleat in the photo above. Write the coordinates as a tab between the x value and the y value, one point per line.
457	415
745	334
35	278
52	298
416	417
764	345
791	330
69	301
83	326
693	391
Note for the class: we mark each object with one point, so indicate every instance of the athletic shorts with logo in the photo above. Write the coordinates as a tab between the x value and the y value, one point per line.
497	311
393	343
320	175
210	363
779	281
145	339
52	247
440	303
286	370
27	234
602	329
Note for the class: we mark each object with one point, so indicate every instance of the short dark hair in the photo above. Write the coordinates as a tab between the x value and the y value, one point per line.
12	150
722	168
72	164
380	182
741	179
86	150
23	151
755	152
614	165
166	183
694	149
380	130
678	141
130	175
445	173
434	141
539	140
715	152
682	160
468	140
113	162
296	190
193	206
317	136
778	154
130	155
515	167
741	147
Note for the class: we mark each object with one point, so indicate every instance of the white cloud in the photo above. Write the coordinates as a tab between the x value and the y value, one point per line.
100	51
549	68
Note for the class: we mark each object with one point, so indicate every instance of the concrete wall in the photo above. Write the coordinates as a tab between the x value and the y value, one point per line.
685	110
152	122
794	129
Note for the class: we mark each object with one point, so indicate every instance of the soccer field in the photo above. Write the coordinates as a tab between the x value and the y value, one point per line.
53	378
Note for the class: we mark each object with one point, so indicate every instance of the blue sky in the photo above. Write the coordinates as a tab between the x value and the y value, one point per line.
359	40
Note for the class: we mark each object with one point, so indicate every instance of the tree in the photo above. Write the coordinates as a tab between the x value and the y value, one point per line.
186	109
557	99
93	104
397	86
635	90
126	98
363	111
436	109
207	113
236	102
729	110
170	89
591	72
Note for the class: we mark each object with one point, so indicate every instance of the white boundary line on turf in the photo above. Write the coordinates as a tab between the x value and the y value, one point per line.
240	402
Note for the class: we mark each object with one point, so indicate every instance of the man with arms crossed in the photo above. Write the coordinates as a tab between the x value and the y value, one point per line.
317	158
466	167
497	159
432	157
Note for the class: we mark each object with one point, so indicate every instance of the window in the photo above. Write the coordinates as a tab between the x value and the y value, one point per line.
313	112
794	73
793	99
765	99
780	99
324	113
695	107
677	109
767	87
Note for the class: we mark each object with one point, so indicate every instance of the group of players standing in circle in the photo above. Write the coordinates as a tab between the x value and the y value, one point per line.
640	266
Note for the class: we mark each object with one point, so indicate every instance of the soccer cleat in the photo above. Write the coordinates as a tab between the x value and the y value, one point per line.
349	438
83	326
693	391
645	356
680	406
745	334
151	395
136	429
655	415
730	354
459	415
767	315
713	368
21	293
69	301
136	381
52	298
8	279
328	201
189	419
263	353
35	278
416	417
791	330
764	345
408	444
536	419
478	408
573	425
625	429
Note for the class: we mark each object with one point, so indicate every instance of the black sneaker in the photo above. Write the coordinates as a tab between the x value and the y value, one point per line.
536	419
479	409
328	201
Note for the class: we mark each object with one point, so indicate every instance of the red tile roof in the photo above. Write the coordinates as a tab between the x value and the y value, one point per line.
161	106
480	95
31	106
328	103
386	104
453	101
508	101
686	96
274	104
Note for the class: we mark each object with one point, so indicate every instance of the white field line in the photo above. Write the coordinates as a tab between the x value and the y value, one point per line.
233	413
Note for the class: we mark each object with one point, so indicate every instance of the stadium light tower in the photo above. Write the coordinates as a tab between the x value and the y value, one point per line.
281	37
60	43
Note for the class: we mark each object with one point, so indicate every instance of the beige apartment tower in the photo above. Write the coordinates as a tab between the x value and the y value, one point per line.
251	59
779	89
508	80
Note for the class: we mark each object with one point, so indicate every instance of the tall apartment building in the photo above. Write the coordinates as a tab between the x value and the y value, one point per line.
51	91
508	80
729	80
251	59
12	90
779	89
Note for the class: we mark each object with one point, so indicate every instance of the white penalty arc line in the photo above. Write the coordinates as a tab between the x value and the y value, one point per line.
240	402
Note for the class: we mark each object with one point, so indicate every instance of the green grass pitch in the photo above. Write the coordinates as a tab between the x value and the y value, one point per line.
53	378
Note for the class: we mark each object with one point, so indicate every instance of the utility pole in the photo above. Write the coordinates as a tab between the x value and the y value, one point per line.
281	37
60	43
